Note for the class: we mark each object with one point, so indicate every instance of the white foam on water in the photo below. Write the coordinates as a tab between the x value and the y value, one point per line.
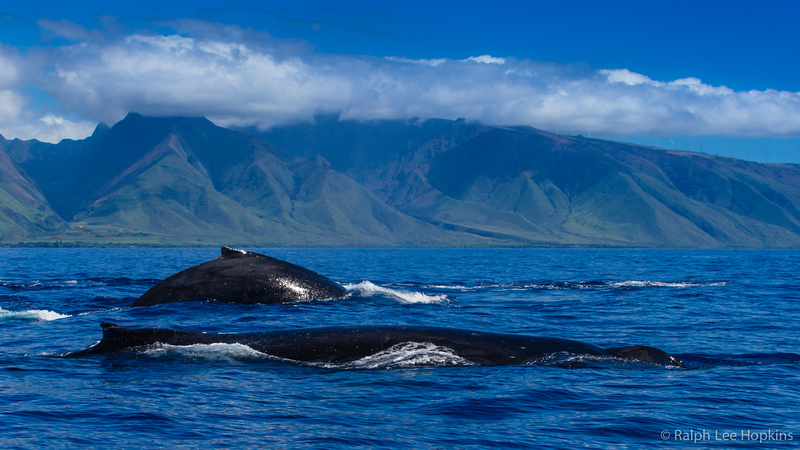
367	288
572	285
570	360
408	354
594	285
214	351
678	284
103	311
31	315
453	287
565	358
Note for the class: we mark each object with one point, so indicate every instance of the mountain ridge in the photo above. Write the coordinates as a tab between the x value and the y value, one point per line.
415	182
184	180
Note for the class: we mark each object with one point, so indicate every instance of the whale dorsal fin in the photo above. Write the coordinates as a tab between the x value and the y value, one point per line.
117	339
108	326
228	252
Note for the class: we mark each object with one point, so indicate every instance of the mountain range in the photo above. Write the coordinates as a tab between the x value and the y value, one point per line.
434	182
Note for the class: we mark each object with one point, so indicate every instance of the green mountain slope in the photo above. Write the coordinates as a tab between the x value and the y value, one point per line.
617	194
185	181
526	186
24	212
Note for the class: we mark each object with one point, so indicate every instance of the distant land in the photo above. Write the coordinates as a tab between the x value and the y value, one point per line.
389	183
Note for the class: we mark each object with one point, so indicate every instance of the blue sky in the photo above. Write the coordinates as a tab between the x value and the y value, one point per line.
718	77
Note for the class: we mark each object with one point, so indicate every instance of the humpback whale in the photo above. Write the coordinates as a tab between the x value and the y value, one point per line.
237	276
348	344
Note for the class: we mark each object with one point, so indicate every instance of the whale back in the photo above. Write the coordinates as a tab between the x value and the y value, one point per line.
347	344
646	354
238	276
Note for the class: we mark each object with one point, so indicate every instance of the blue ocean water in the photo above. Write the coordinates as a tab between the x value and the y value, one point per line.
732	316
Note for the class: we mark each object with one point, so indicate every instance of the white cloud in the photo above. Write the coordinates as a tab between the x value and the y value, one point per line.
625	76
8	73
11	104
424	62
9	67
486	59
18	120
239	79
67	29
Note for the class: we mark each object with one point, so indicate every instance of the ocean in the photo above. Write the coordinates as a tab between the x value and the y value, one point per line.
730	315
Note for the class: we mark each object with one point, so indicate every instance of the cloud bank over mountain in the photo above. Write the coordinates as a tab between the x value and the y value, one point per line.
239	77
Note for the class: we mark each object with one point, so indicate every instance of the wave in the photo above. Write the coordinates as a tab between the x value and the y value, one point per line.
690	360
367	289
661	284
42	285
700	360
31	315
580	285
579	360
37	285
